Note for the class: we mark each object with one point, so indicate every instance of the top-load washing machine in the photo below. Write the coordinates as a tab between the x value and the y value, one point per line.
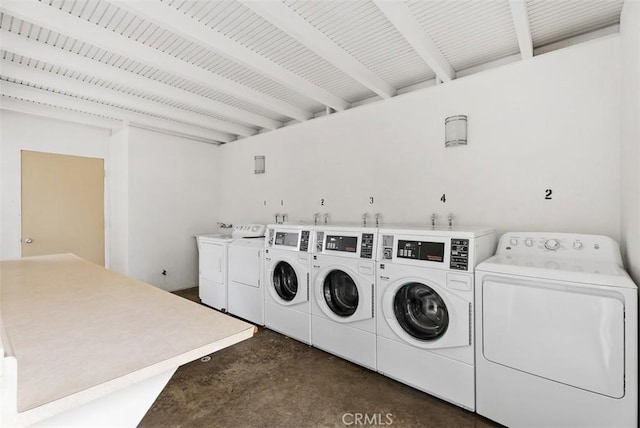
343	293
287	260
425	294
557	333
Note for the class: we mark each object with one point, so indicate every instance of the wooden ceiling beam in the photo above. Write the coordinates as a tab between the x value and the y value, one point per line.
181	24
523	30
17	90
283	17
52	18
401	17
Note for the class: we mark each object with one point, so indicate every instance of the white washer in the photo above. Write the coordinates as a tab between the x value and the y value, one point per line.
342	284
245	289
425	308
212	263
286	277
557	333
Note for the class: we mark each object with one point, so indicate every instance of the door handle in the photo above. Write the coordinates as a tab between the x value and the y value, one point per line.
28	240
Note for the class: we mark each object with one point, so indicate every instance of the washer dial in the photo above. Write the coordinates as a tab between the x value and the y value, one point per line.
552	244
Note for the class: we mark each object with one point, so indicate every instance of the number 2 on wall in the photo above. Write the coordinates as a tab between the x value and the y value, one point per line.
547	194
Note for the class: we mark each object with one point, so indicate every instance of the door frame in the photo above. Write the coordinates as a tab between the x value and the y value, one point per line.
12	197
104	195
40	134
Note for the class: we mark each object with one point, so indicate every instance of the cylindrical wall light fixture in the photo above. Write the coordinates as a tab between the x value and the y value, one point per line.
455	131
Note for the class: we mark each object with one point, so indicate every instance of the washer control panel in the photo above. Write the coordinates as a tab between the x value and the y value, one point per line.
345	242
304	241
459	258
366	249
560	245
288	238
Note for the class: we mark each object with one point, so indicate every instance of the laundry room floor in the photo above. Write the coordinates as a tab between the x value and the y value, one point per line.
271	380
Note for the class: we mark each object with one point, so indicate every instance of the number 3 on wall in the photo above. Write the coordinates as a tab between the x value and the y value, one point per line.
547	194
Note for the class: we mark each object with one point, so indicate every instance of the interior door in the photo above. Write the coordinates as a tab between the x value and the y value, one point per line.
62	205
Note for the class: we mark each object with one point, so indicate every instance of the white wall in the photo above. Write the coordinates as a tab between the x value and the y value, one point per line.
172	196
118	175
550	122
20	131
630	136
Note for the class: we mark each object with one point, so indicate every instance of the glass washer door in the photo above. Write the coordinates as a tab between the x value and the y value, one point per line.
340	293
285	281
421	311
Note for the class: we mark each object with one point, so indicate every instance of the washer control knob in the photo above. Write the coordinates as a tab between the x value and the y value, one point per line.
578	245
528	242
513	241
551	244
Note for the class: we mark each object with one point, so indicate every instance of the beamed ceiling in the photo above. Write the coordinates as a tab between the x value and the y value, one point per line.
221	70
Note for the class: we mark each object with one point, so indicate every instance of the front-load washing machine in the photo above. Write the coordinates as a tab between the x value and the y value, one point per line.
286	276
343	293
557	333
425	308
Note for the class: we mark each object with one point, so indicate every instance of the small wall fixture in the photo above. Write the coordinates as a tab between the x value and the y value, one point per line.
455	131
259	164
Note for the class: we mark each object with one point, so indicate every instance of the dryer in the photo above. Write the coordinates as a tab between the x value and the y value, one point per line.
212	269
425	308
286	276
245	288
343	293
557	333
213	250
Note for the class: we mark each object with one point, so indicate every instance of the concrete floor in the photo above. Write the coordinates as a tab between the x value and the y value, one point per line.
271	380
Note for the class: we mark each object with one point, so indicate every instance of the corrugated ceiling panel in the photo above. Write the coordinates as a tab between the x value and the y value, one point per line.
98	101
55	39
468	33
364	32
553	21
107	85
241	24
122	22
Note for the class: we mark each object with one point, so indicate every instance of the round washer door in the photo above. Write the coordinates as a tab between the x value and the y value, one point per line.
285	281
343	295
426	315
340	293
420	311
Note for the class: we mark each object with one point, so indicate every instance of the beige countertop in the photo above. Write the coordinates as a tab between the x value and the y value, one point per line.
76	328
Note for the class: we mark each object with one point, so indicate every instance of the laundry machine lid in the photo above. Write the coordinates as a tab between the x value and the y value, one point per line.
215	237
558	269
251	242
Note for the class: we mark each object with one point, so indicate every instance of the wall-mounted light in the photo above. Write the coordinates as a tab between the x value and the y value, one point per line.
258	164
455	131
